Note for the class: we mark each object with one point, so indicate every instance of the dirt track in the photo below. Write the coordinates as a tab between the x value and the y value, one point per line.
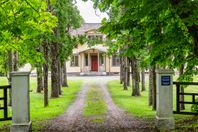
116	120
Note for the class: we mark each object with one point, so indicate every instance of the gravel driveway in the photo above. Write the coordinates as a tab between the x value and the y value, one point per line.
116	120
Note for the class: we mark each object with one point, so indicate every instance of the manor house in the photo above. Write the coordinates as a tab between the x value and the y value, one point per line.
92	60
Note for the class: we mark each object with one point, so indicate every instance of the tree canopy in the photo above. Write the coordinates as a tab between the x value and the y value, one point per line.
166	31
24	25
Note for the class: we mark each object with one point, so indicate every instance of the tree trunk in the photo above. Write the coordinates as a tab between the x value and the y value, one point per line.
109	66
181	72
196	43
154	87
10	69
150	87
125	68
54	71
64	83
136	78
39	79
128	72
125	78
122	70
61	75
10	65
45	73
128	75
15	61
60	78
132	75
143	80
54	61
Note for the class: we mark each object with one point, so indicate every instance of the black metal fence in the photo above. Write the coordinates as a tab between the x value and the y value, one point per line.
178	101
5	102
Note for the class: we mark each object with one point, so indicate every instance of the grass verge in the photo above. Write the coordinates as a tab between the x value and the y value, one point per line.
95	106
138	106
56	106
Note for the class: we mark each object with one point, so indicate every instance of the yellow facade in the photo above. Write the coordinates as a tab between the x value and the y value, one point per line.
91	60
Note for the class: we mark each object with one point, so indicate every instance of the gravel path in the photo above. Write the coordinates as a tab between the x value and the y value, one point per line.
67	121
116	120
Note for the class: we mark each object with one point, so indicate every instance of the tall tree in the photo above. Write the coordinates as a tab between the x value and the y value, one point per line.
61	48
24	25
20	28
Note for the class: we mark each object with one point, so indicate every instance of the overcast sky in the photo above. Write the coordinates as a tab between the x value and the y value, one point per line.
88	12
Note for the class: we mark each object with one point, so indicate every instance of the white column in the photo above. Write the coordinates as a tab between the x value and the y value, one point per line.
20	102
89	61
81	62
164	117
98	62
109	65
105	63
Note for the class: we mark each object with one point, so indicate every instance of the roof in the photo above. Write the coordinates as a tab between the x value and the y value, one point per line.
99	48
84	28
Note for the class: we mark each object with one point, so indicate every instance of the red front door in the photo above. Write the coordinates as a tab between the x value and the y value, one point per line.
94	63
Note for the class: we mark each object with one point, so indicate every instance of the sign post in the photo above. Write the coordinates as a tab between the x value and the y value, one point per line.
164	117
20	102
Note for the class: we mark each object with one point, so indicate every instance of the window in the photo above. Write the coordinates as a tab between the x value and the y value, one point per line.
86	59
115	60
95	37
90	37
101	60
74	60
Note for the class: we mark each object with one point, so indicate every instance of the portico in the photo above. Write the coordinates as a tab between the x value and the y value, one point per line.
93	61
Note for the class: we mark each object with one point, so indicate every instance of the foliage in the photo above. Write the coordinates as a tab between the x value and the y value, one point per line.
194	107
68	18
23	22
24	25
3	62
165	31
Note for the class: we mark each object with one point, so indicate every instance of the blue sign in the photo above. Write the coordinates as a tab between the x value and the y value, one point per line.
165	80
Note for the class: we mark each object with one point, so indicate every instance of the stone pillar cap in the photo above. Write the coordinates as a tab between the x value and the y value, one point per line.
20	73
164	71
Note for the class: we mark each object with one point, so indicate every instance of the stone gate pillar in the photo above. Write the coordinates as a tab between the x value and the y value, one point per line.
164	117
20	102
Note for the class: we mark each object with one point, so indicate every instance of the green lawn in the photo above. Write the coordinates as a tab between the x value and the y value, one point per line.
138	106
95	105
55	108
